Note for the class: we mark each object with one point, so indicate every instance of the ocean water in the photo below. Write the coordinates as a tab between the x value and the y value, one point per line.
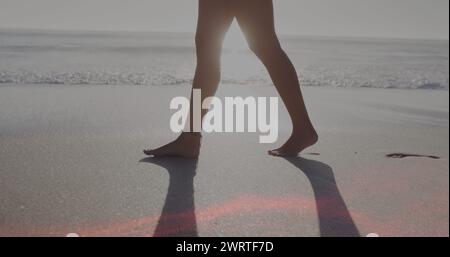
164	59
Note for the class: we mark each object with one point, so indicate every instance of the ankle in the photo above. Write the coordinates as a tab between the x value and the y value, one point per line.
191	137
191	134
307	131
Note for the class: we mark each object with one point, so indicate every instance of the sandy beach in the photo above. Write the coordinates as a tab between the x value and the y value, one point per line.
71	162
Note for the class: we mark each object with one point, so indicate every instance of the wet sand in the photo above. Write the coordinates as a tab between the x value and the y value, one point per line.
71	162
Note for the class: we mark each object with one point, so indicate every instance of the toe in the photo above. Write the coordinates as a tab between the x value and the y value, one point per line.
274	152
148	152
282	153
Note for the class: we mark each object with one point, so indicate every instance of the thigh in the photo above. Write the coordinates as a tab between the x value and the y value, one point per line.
214	20
256	19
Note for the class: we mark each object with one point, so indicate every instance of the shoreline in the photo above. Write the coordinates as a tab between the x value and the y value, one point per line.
192	33
264	85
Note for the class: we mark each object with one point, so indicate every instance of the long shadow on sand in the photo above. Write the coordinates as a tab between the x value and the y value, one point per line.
334	218
178	215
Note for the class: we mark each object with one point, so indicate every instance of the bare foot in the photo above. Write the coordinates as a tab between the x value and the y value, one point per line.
296	143
187	145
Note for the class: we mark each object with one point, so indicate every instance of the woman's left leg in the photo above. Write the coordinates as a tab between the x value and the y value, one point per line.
214	20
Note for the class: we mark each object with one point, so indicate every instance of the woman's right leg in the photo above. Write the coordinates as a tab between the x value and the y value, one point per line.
214	20
256	19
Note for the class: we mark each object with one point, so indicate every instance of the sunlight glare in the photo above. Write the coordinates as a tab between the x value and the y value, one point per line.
235	40
239	65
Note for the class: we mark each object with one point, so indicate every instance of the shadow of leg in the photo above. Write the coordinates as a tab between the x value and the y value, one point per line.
334	218
178	215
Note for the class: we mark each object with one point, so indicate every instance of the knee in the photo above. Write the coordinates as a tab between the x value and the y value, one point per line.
201	40
266	49
208	49
207	42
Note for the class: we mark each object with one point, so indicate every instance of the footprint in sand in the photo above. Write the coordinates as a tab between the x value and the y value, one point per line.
405	155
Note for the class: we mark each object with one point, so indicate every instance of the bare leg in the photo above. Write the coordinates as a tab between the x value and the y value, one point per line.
256	20
214	20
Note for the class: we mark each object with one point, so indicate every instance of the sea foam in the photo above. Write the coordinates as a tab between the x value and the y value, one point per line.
159	59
